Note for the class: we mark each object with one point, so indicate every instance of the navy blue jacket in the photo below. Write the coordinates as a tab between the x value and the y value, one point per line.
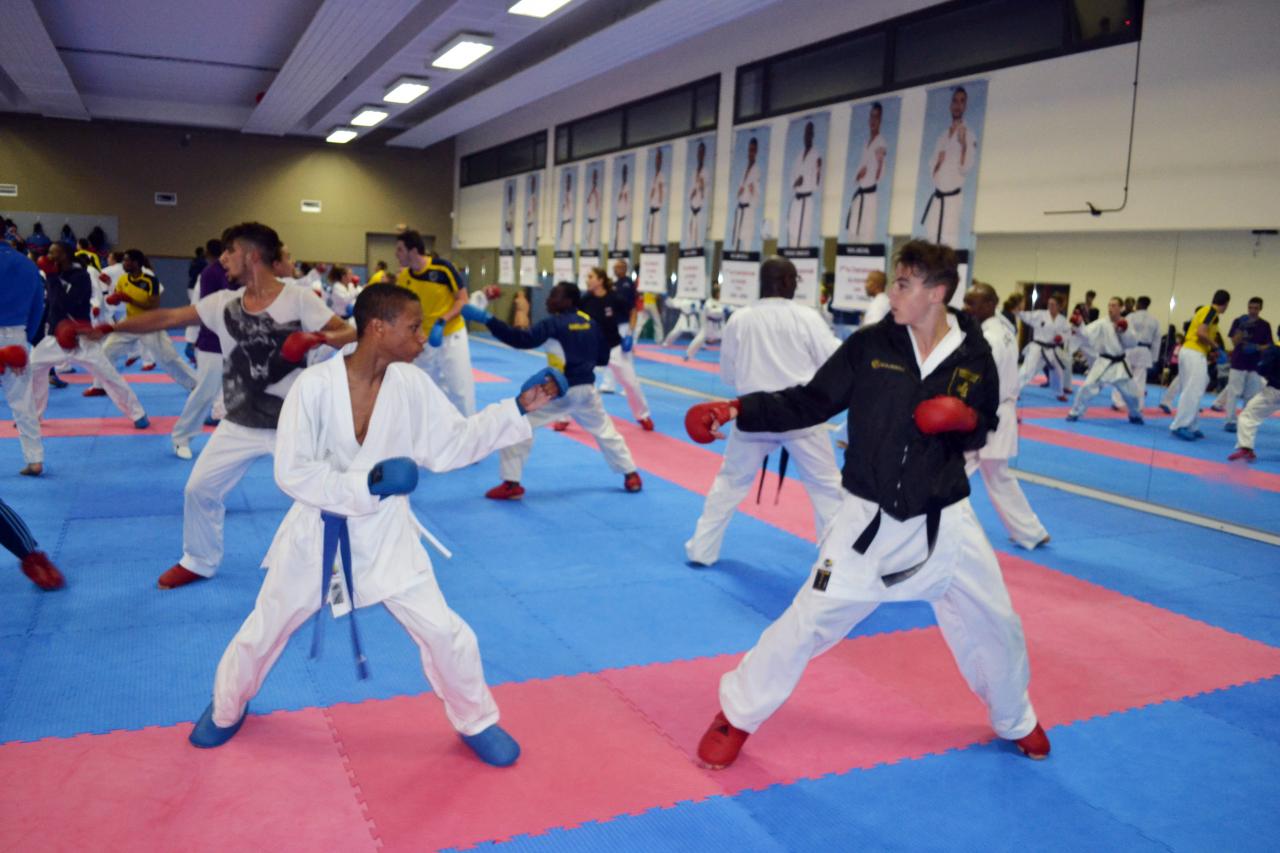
576	333
21	291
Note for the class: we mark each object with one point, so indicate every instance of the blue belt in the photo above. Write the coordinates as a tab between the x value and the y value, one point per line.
336	534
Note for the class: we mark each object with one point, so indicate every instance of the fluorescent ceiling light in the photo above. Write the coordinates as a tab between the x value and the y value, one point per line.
536	8
341	135
368	117
462	50
406	90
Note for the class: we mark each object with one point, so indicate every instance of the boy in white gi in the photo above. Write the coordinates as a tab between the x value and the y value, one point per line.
920	391
1108	337
1049	333
992	460
352	434
770	345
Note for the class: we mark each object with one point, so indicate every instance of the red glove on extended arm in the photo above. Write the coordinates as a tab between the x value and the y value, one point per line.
1057	340
68	331
297	345
702	420
116	298
492	292
13	357
945	414
1122	325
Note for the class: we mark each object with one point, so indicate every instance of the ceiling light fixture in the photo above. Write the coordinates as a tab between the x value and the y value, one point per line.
341	135
536	8
406	90
462	50
369	116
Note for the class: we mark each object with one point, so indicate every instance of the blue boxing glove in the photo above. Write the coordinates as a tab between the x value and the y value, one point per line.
540	378
395	476
436	336
627	343
476	315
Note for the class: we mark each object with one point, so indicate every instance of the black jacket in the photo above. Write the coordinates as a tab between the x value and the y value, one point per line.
576	333
609	311
874	375
67	295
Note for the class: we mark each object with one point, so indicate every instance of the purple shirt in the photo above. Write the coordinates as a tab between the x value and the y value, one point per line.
1255	332
212	279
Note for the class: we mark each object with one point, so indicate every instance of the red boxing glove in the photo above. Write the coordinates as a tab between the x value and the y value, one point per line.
103	329
355	279
14	357
68	333
492	292
703	419
1122	325
297	345
945	414
116	298
104	278
1057	340
96	310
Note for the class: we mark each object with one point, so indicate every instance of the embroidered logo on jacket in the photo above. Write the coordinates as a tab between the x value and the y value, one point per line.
962	381
877	364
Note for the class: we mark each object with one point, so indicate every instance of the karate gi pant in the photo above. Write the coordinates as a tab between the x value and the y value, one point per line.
622	370
800	217
160	349
203	400
1011	504
863	216
1171	393
450	366
704	335
694	227
654	313
744	452
1193	370
1262	406
1139	370
974	613
1106	372
686	324
583	404
18	392
231	450
1242	385
89	356
1037	357
290	595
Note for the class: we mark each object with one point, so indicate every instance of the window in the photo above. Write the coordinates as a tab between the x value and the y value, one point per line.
977	36
501	161
676	112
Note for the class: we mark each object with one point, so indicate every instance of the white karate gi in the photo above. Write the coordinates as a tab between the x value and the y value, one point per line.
713	313
1109	368
877	310
695	227
583	405
591	212
564	234
18	393
1262	406
531	222
320	465
744	216
961	580
450	366
622	220
687	322
160	349
768	346
87	355
1049	335
863	213
657	198
942	216
1140	358
992	460
806	202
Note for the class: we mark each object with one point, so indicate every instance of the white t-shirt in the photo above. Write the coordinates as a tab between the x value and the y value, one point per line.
255	377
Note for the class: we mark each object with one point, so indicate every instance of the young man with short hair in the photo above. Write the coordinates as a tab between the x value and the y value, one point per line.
1198	346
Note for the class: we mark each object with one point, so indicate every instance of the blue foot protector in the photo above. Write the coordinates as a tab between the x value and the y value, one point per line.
1073	418
142	422
1197	433
207	734
492	746
1184	434
1136	419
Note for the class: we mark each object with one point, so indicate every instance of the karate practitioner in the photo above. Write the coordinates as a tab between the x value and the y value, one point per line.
860	221
509	218
21	313
68	292
530	216
771	345
1250	336
609	311
140	290
205	405
687	321
1199	345
447	358
657	198
992	460
353	432
954	154
564	236
920	391
1261	406
622	216
805	184
747	198
1140	358
711	328
624	288
577	347
265	330
696	221
879	307
1108	338
1049	333
16	537
591	212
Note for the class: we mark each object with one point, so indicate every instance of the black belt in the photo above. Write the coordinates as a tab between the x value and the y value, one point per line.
1114	359
942	207
932	521
858	197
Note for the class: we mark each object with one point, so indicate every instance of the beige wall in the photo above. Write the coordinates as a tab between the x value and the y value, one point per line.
222	178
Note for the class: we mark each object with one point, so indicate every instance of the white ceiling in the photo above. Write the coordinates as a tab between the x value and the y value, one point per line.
316	62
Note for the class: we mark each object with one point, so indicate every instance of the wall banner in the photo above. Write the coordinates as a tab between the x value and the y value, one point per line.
800	238
653	242
699	175
740	256
624	175
863	242
507	240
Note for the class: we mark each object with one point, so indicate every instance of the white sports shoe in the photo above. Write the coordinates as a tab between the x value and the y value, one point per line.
182	451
